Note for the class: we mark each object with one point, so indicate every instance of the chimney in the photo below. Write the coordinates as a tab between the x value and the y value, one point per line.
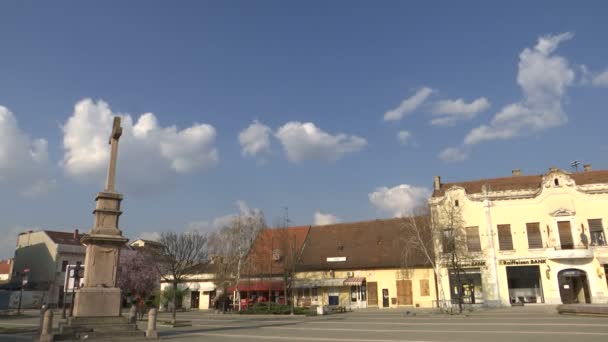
75	234
587	167
437	183
516	172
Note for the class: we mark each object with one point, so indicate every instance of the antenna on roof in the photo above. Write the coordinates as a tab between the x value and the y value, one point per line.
575	165
286	221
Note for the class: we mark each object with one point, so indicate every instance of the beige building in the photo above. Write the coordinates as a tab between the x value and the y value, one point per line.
46	254
531	239
361	265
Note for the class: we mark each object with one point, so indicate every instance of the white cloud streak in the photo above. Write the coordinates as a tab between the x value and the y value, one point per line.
255	139
408	105
448	112
23	161
543	78
305	141
322	219
404	137
401	200
453	154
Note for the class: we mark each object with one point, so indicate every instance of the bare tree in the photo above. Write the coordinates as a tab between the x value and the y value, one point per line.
232	244
177	254
438	233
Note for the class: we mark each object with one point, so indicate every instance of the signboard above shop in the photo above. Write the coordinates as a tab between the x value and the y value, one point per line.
521	262
336	259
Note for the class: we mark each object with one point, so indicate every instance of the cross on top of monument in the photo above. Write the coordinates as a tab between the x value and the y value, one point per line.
116	130
113	141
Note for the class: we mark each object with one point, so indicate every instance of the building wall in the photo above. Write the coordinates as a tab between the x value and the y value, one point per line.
385	279
44	259
551	204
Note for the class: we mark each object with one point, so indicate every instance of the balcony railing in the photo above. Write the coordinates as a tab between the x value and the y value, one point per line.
569	252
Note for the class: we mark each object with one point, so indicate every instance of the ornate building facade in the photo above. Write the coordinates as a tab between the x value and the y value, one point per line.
530	238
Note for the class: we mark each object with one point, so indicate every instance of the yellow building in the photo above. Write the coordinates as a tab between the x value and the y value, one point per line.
361	264
531	239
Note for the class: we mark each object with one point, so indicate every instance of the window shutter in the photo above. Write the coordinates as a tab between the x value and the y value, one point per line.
535	239
595	225
473	242
505	240
565	235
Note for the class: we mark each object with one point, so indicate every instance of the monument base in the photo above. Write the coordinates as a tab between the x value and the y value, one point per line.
97	302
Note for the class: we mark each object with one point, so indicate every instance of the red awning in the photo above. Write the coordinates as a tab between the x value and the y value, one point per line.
258	285
358	281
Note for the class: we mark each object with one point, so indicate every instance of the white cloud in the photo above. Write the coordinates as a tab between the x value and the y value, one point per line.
255	139
401	200
222	221
23	160
452	154
543	78
154	236
450	111
149	155
600	79
408	105
404	137
305	141
322	219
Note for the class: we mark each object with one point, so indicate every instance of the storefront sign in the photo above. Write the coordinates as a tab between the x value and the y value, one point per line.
336	259
476	263
518	262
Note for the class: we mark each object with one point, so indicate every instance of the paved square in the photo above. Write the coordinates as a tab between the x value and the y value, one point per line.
539	323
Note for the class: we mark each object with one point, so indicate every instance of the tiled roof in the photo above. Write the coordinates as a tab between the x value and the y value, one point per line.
521	182
64	238
5	267
364	245
287	242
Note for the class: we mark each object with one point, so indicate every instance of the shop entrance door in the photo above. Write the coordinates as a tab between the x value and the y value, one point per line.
385	303
573	286
404	292
524	284
194	299
372	293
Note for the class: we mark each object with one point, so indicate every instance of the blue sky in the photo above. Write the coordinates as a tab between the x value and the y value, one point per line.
486	88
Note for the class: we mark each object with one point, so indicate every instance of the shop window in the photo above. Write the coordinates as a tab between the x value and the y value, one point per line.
473	242
597	232
505	239
535	239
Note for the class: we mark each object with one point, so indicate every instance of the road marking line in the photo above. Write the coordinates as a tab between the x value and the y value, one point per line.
464	323
296	338
452	331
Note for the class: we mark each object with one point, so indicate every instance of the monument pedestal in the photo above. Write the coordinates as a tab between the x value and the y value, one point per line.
97	302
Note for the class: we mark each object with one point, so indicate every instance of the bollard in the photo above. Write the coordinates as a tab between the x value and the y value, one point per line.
47	327
132	318
151	331
41	318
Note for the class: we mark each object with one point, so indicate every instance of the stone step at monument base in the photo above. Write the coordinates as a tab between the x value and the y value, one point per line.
98	329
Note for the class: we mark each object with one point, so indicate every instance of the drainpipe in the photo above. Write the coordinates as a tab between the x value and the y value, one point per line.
487	204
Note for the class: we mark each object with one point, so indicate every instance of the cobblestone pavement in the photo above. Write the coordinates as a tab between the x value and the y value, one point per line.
531	323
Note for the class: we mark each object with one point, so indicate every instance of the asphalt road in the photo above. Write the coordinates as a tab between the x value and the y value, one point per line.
532	323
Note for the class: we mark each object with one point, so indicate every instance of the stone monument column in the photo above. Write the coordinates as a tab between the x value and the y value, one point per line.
99	296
